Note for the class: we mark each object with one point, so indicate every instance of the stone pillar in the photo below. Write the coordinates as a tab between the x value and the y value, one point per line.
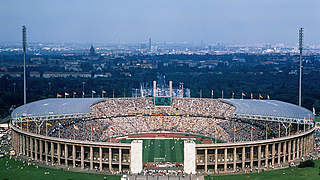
82	157
251	157
27	146
46	150
31	147
243	157
91	158
279	152
298	148
259	156
216	160
58	153
120	159
52	152
234	159
294	149
66	155
23	145
273	153
267	155
73	156
284	151
289	151
225	159
206	160
41	150
35	149
100	158
110	159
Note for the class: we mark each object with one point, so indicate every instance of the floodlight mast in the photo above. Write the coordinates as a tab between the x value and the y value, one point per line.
24	44
300	66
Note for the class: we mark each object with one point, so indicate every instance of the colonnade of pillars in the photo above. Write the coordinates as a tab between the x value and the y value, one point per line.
253	157
98	158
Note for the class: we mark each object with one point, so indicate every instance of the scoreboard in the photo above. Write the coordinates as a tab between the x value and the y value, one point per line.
162	101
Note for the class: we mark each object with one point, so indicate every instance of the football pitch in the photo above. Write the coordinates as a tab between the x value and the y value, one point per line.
161	150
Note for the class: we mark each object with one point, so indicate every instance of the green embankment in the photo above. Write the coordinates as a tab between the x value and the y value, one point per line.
293	173
17	170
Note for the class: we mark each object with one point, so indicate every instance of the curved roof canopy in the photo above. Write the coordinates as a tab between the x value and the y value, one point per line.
56	106
269	108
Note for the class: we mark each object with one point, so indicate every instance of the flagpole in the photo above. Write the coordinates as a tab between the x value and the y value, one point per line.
46	128
279	130
251	131
266	132
215	131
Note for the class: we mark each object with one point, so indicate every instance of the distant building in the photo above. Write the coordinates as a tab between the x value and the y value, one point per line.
67	74
92	51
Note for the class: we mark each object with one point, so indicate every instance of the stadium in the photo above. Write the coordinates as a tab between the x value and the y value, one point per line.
163	135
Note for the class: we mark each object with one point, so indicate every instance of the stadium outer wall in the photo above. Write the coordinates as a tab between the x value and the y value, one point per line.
222	158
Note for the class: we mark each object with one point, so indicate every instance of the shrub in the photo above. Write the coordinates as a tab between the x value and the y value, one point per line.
308	163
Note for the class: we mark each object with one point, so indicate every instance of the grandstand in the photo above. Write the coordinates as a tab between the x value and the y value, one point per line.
142	134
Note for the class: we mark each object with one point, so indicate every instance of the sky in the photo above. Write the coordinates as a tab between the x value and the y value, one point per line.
210	21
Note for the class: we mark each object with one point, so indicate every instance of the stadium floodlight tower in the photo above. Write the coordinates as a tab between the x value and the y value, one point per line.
300	66
24	44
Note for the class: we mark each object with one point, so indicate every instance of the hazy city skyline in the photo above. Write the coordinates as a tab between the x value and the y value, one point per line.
231	21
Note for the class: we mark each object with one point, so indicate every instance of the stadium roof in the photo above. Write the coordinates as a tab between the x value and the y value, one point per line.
269	108
56	106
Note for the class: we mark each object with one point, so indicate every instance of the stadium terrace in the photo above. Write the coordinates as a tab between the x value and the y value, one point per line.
163	134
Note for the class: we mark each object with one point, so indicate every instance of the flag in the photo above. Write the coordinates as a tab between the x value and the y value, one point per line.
268	128
112	129
212	92
66	94
49	124
253	128
251	96
93	129
28	119
260	96
310	118
59	95
268	97
243	94
93	91
37	121
74	93
290	124
217	131
82	93
235	129
22	117
104	92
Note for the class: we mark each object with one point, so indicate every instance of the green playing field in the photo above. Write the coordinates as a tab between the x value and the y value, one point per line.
161	150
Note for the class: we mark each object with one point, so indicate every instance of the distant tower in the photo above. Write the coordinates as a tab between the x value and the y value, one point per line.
300	67
149	44
24	44
92	51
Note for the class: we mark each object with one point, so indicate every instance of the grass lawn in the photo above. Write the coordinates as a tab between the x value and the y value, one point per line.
16	170
317	119
293	173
